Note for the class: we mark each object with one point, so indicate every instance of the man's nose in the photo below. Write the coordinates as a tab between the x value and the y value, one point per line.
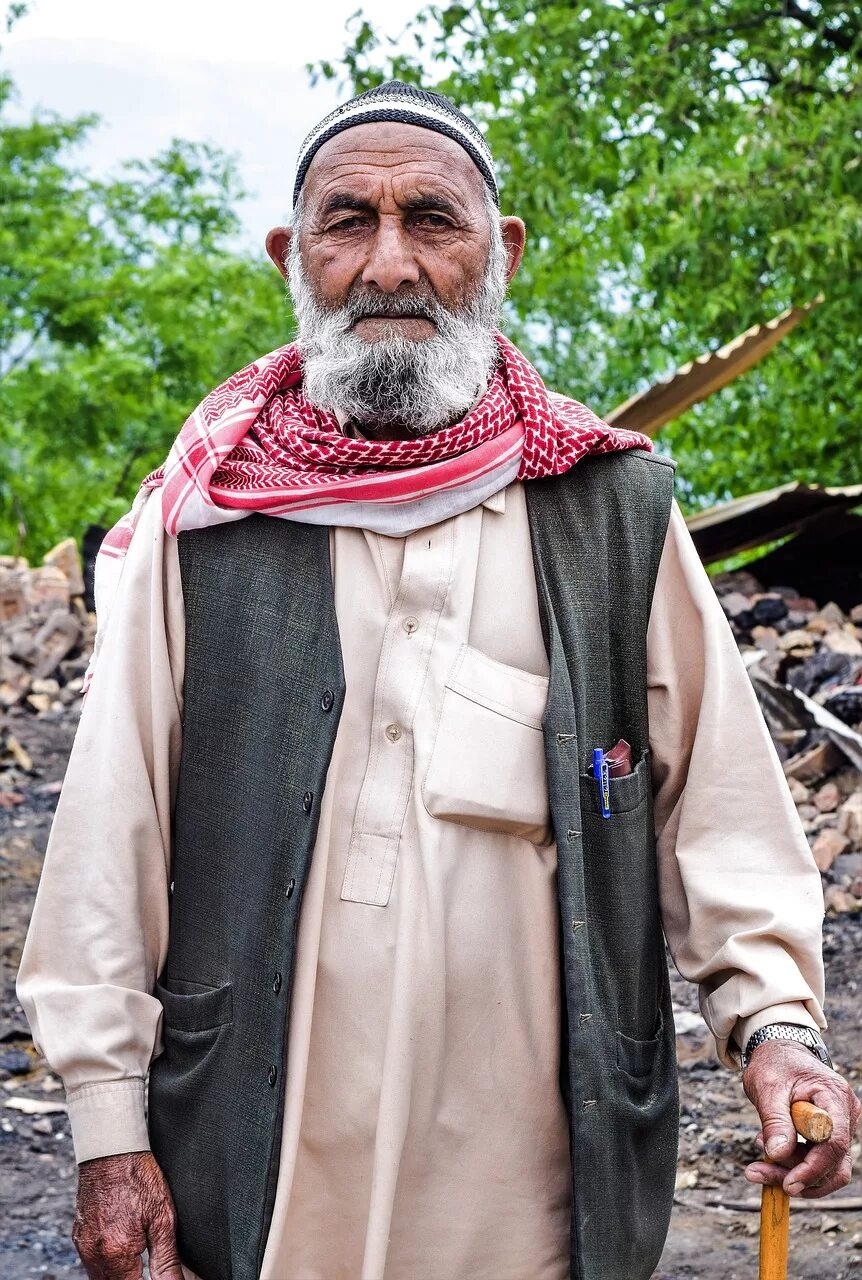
391	262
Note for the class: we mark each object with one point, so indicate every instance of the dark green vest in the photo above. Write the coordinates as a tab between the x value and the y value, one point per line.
264	689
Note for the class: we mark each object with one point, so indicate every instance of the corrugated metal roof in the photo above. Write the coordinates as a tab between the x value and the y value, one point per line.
762	517
665	400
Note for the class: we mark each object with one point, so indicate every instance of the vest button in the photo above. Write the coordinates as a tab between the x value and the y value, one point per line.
327	700
307	801
291	885
276	984
272	1075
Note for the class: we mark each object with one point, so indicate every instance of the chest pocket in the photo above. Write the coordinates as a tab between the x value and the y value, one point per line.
487	766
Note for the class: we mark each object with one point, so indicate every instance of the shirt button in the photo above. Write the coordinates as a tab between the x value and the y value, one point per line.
276	983
327	700
410	625
291	885
272	1075
307	801
392	732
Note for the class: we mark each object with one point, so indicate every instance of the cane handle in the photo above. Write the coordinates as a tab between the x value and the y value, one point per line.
814	1125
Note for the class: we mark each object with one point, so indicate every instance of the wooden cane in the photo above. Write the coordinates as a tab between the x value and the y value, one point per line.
814	1125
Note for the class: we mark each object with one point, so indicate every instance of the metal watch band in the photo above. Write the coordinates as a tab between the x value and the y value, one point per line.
806	1036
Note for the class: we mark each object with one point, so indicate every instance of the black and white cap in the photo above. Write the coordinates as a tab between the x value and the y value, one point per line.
404	104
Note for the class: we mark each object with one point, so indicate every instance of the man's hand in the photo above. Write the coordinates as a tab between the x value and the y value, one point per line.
781	1072
124	1206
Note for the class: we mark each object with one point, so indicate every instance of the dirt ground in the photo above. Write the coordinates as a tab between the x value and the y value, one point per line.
37	1171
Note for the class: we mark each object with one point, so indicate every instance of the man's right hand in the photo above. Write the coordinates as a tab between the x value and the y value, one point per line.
124	1206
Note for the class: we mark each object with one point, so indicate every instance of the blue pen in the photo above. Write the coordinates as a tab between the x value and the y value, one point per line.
602	771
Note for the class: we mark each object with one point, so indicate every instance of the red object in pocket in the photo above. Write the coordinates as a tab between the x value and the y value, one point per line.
619	759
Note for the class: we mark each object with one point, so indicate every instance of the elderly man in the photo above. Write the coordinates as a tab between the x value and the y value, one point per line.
412	715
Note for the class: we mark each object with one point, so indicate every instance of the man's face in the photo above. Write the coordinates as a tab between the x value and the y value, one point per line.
393	209
397	275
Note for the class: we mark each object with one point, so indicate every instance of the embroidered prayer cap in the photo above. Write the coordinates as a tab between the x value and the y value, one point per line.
405	104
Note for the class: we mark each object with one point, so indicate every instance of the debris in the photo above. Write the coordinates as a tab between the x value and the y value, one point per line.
43	1125
814	763
65	558
827	798
839	902
35	1106
18	754
46	634
685	1021
15	1061
828	846
850	819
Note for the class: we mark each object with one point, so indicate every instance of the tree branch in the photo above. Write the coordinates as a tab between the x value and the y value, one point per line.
839	37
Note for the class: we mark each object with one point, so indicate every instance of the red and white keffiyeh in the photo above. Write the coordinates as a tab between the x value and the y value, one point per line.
256	443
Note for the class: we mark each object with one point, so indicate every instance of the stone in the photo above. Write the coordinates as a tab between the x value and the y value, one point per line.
796	642
734	603
827	798
769	608
765	638
841	641
65	558
839	901
60	633
807	812
49	586
828	846
39	701
848	866
856	614
45	686
799	791
13	594
35	1106
832	613
19	754
850	819
814	763
15	1061
43	1125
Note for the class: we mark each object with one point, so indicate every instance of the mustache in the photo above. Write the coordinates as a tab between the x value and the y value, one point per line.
362	304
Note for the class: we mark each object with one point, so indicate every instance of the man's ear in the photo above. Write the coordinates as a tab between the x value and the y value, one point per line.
514	238
277	244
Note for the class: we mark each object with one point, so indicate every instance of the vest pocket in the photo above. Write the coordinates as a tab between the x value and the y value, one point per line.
627	793
637	1057
194	1006
487	766
620	883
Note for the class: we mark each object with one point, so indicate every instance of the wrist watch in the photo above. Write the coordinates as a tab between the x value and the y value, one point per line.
806	1036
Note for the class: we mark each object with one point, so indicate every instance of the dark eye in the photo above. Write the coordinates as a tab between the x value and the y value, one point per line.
433	220
347	224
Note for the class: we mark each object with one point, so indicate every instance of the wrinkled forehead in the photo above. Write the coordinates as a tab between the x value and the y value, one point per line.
392	161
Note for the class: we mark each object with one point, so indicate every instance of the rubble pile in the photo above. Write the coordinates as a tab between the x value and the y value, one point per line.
805	663
46	637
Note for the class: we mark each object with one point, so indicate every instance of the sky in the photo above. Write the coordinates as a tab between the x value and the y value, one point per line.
228	73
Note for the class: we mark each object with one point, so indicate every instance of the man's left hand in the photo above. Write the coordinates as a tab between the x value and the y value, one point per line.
782	1072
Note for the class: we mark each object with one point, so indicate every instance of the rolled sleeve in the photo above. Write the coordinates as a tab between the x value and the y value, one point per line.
741	899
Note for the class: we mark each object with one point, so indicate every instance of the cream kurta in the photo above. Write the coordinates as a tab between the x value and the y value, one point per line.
424	1134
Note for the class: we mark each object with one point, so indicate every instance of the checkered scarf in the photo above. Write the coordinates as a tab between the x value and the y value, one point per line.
256	443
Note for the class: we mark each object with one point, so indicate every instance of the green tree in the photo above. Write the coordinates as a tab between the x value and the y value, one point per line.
122	302
685	170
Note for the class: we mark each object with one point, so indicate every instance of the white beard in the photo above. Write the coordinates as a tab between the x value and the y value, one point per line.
418	385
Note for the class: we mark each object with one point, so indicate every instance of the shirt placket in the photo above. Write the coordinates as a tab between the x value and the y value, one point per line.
408	643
